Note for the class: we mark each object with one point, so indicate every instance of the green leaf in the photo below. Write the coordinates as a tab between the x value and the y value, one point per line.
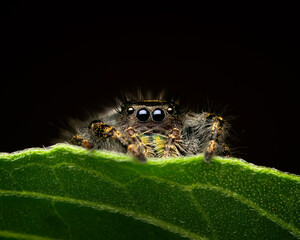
67	192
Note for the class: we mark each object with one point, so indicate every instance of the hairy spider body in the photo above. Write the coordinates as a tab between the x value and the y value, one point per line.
155	128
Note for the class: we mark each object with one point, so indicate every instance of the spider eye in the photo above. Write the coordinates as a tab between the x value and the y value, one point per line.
158	115
130	110
170	110
143	114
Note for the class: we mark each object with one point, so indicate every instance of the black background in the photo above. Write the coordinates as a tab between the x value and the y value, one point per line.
61	60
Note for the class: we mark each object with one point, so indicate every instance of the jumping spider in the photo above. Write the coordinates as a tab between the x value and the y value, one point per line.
155	128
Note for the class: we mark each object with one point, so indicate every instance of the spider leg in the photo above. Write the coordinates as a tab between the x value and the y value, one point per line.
79	141
216	131
101	131
171	147
137	145
225	150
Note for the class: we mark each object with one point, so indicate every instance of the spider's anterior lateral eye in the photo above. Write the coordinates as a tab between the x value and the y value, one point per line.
130	110
170	110
158	115
143	114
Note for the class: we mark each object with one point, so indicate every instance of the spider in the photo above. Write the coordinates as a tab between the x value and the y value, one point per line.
155	128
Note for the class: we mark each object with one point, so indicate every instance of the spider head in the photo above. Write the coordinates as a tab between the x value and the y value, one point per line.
158	116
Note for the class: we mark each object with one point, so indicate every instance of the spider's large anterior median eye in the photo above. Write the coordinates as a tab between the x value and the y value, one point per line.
158	115
130	110
143	114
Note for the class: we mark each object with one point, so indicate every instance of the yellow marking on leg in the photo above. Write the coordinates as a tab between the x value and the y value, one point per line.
211	146
87	144
140	146
79	141
170	147
216	131
226	150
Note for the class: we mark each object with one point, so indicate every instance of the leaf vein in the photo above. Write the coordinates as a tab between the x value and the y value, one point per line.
136	215
61	218
92	172
235	195
10	234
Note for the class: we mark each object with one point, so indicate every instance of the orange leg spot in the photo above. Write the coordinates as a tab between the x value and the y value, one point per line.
87	144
